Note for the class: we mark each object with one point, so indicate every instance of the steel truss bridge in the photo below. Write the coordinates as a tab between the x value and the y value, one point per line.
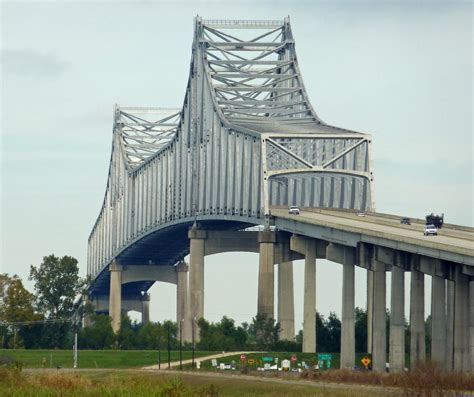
247	142
246	138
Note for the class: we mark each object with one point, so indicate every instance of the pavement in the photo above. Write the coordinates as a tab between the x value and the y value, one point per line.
449	238
175	364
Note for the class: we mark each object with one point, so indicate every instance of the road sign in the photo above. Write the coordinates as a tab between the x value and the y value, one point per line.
365	361
250	361
324	356
243	357
293	358
267	359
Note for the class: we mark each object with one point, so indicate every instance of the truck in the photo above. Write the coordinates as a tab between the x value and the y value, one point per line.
435	219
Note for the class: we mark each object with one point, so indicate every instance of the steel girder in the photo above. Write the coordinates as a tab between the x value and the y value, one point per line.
246	138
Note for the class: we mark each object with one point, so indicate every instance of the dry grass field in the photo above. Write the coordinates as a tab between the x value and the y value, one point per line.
426	381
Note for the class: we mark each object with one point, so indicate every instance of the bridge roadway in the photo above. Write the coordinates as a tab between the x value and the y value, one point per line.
453	243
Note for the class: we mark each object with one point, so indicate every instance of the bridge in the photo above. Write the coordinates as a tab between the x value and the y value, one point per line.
218	175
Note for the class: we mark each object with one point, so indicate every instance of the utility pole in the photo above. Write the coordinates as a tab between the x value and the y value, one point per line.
75	325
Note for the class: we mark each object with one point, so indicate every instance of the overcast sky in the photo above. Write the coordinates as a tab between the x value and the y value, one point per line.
401	71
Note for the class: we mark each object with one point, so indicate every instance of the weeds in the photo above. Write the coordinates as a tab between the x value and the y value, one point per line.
427	379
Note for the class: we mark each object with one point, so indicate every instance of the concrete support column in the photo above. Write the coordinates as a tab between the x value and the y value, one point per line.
417	317
348	316
196	272
309	309
449	325
471	323
397	320
438	321
286	304
379	347
86	317
266	287
370	308
461	322
115	298
182	312
145	308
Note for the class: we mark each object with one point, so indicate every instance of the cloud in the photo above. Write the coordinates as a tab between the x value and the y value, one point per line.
33	64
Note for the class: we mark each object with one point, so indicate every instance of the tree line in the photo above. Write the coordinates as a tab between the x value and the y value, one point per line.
46	317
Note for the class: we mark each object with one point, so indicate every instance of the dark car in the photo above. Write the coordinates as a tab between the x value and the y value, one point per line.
405	221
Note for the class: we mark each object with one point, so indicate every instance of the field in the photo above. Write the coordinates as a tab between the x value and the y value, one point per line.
93	358
133	383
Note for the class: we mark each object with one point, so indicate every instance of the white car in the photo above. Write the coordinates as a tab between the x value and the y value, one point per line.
430	230
294	210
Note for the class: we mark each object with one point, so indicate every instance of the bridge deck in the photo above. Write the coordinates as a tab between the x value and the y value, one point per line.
452	239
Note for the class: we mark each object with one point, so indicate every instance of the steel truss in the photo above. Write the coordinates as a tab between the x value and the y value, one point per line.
246	138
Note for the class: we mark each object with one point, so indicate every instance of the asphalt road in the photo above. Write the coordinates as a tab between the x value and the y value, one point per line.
450	238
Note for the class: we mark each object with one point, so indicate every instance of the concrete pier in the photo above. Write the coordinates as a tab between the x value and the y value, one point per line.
417	318
286	304
115	299
309	309
397	320
461	322
145	309
379	347
370	309
348	316
266	284
438	321
471	323
181	301
449	325
196	273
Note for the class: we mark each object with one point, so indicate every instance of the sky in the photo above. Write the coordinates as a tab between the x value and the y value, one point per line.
401	71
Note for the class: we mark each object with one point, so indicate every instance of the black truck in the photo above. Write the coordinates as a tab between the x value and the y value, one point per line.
435	219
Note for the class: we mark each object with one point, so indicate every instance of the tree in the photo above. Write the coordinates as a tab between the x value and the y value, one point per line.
147	336
265	332
127	335
99	335
333	325
16	305
360	330
57	283
322	334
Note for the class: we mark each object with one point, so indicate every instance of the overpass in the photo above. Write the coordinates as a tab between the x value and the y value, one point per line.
246	144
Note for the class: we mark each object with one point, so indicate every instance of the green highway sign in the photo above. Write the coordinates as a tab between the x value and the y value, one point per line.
324	356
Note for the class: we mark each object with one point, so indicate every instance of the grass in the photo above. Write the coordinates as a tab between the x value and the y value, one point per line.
93	358
124	383
426	379
309	358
